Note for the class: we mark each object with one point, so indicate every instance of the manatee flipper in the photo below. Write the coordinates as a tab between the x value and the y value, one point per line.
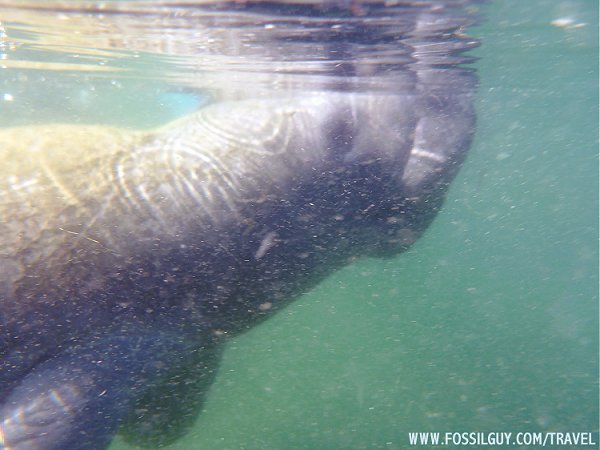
78	399
166	412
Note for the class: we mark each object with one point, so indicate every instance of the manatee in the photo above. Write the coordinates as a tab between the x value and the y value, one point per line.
128	257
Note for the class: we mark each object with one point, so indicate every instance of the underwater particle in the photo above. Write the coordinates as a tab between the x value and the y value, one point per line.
563	22
265	306
8	97
567	22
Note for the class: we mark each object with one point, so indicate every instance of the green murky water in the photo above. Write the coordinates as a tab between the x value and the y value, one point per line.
490	322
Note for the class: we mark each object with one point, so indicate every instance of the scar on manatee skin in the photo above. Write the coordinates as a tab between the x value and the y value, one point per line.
87	237
268	242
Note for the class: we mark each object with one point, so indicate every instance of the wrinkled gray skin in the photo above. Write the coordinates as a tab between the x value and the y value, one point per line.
126	259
